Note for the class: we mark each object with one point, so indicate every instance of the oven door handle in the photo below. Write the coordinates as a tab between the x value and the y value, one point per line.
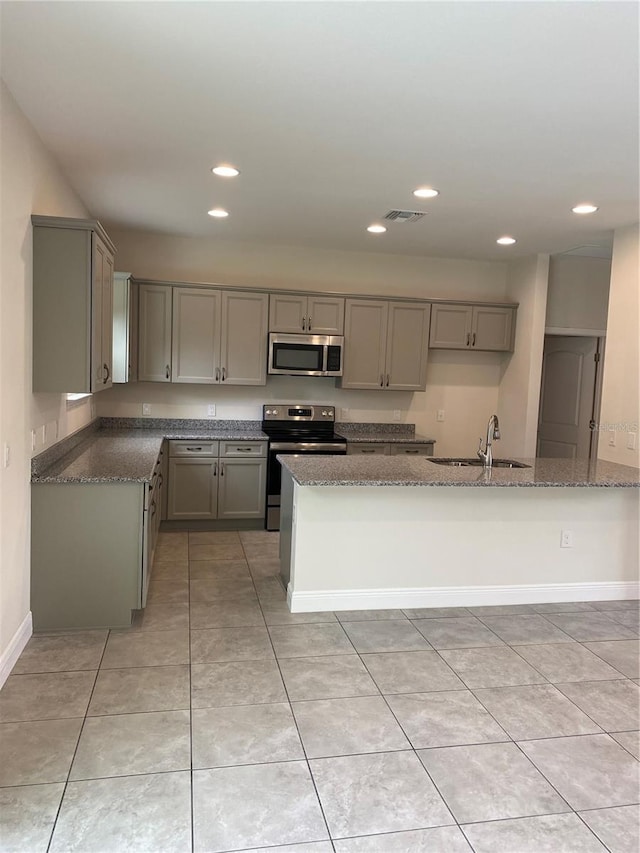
301	447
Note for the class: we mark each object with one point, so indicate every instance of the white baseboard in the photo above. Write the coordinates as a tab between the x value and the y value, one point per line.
457	596
13	651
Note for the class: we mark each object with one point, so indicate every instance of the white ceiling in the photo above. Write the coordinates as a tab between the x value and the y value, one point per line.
335	112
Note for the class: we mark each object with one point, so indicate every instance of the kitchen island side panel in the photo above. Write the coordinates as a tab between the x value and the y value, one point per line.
86	545
407	546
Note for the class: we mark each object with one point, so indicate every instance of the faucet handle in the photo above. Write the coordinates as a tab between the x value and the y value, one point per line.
481	453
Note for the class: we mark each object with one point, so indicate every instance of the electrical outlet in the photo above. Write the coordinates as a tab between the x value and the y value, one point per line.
612	438
397	415
211	410
566	539
146	408
33	439
440	415
43	434
344	414
7	455
631	441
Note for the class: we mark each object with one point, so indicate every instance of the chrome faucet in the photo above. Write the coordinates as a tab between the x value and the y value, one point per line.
493	432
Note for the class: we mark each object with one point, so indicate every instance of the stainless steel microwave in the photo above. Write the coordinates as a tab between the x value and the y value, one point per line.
305	355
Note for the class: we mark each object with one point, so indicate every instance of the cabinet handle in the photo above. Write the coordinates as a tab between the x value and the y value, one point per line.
215	469
105	367
224	373
304	321
473	340
387	380
411	451
367	451
308	324
153	508
221	470
468	338
217	374
167	373
243	449
160	481
382	380
193	449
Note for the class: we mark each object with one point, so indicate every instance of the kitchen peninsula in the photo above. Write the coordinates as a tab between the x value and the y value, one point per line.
385	532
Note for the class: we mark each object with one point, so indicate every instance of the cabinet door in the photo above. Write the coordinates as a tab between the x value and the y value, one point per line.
243	338
450	326
106	336
242	488
492	328
193	488
154	339
98	285
365	341
407	346
325	315
287	312
195	348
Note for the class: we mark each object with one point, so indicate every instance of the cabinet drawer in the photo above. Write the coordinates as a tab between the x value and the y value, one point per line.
243	448
371	448
412	449
193	448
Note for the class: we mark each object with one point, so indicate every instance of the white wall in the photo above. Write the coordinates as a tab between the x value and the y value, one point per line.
464	384
519	392
578	293
446	546
31	183
621	377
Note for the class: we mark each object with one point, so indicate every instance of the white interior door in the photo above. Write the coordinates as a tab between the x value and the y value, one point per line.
567	397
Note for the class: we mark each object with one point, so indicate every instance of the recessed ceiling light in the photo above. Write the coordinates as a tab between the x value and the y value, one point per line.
376	229
584	208
218	213
226	171
506	241
426	192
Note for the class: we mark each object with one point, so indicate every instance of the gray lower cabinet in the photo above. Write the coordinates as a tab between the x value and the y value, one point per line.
373	448
216	480
479	327
92	547
376	448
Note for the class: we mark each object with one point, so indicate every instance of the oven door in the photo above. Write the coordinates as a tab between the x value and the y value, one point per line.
274	471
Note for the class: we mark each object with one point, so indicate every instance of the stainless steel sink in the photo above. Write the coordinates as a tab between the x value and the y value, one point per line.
472	462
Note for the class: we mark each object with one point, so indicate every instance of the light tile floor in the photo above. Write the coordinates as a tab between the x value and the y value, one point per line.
221	722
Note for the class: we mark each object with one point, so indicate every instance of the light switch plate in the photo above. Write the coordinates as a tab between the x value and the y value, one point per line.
211	410
344	414
397	415
7	455
631	441
440	415
612	438
146	408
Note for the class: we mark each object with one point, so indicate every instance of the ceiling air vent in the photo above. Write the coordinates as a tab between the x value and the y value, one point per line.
403	215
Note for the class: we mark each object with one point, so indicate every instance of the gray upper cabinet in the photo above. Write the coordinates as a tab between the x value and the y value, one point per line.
386	345
315	314
480	327
72	305
154	333
125	328
243	338
195	343
200	335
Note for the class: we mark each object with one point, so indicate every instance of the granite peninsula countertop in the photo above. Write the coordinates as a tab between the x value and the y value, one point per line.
380	433
402	471
128	455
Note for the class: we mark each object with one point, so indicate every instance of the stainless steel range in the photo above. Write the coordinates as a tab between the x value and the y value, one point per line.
296	428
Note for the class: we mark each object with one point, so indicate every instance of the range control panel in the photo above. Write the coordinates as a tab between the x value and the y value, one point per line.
298	412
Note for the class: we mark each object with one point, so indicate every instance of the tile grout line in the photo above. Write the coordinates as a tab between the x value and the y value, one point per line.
293	716
75	751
